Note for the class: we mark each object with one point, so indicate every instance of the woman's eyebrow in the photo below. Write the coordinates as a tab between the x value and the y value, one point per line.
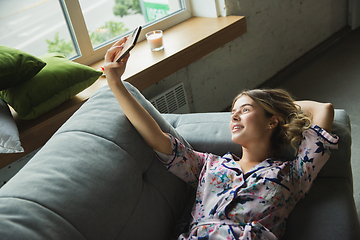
242	106
246	104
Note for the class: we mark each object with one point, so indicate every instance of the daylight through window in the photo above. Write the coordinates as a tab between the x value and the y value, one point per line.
81	29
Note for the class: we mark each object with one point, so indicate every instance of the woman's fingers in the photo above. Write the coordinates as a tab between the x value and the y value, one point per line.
111	64
111	53
120	42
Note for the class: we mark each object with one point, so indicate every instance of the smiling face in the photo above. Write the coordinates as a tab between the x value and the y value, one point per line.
249	124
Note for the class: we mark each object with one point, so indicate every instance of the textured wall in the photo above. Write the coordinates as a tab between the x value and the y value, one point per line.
279	32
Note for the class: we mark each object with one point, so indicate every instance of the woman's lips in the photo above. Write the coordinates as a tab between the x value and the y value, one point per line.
237	127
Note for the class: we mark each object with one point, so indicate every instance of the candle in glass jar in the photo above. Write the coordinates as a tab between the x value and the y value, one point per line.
155	40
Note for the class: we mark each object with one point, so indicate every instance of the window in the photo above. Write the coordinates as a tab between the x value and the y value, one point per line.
27	25
82	29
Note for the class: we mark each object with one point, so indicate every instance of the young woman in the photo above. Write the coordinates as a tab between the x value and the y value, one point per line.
248	197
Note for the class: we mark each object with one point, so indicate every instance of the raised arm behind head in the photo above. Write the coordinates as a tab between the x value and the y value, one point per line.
321	114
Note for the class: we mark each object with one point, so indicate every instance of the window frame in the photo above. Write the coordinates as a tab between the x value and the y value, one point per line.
86	54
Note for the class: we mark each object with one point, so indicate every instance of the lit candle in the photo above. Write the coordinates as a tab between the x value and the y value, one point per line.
155	40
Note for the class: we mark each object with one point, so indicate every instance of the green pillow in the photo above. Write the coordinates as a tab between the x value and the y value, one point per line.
17	66
58	81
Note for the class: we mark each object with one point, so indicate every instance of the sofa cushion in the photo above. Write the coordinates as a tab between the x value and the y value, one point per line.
327	212
58	81
9	134
21	219
17	67
206	132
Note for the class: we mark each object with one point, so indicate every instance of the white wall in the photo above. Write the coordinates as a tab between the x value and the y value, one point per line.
279	32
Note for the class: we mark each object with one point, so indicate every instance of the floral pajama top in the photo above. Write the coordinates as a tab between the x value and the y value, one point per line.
233	205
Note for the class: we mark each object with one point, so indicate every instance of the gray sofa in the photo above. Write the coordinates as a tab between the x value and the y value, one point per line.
97	179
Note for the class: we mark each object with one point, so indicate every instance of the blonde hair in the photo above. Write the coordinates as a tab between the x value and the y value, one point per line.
292	122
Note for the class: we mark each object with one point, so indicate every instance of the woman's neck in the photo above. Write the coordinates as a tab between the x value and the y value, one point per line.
252	157
255	156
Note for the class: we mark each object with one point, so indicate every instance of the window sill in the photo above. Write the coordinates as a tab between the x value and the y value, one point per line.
184	44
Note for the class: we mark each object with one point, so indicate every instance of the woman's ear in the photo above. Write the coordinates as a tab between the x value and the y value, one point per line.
274	121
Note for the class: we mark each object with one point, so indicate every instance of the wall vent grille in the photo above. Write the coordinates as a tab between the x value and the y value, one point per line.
172	101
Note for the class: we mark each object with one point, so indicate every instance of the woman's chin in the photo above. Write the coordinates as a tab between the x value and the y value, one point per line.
236	140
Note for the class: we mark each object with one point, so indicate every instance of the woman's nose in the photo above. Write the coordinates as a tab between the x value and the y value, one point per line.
235	117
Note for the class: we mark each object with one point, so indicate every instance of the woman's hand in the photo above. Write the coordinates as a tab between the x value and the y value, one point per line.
114	70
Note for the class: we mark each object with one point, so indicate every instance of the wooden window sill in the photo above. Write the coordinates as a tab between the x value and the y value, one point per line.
184	44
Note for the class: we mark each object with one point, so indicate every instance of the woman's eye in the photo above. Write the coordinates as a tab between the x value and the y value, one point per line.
246	110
